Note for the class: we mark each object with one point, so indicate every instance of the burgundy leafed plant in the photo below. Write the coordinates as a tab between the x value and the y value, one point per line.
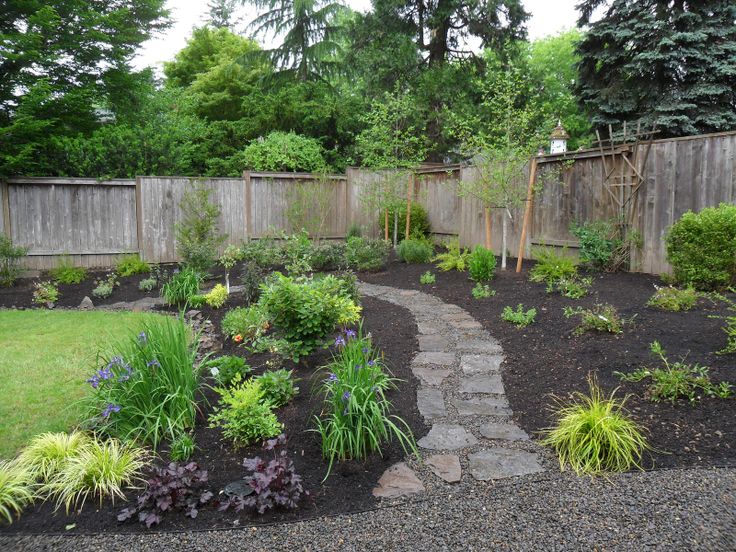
175	487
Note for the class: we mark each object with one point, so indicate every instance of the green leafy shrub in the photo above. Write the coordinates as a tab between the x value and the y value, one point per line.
593	434
305	311
45	293
105	286
148	284
243	414
263	253
730	329
145	388
601	318
427	278
551	267
366	255
217	296
278	386
452	259
601	246
296	252
226	368
344	284
415	251
67	273
227	260
182	448
481	264
673	299
519	317
418	225
16	489
354	231
677	380
701	247
10	256
251	278
197	234
356	417
329	256
182	287
482	291
47	453
284	151
573	287
130	265
245	324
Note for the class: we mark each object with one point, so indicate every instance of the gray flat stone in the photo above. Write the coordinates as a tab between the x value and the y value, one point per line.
430	376
447	437
457	317
398	480
499	463
408	292
489	383
479	346
439	359
431	403
487	406
433	343
506	432
446	466
480	364
465	324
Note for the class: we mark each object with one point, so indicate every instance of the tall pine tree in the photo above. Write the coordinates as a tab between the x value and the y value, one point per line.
667	62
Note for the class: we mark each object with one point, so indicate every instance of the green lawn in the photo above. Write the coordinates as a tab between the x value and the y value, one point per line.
45	358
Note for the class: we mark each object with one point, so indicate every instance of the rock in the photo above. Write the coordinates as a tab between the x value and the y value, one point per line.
433	343
447	437
430	376
482	384
445	466
194	313
487	406
499	463
489	345
466	324
431	403
398	480
506	432
439	359
480	364
457	317
86	304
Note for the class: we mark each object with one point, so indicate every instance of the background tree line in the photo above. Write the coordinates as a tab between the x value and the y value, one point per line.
344	88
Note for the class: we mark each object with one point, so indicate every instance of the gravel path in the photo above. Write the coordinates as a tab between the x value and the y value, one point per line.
542	510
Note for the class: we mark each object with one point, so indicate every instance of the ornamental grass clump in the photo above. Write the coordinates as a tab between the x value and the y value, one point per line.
16	489
356	418
145	390
593	434
47	453
182	287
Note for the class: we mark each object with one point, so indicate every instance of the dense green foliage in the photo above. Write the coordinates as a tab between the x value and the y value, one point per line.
130	265
278	386
552	267
673	299
418	224
415	251
182	287
520	318
701	247
226	368
197	233
366	254
66	273
481	264
245	324
10	256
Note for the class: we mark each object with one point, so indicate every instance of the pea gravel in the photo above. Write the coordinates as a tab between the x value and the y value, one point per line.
690	509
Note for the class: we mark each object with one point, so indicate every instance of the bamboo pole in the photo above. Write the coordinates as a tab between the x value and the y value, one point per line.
385	224
527	212
409	187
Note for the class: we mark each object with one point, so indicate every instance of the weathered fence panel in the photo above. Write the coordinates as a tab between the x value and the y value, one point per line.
436	190
159	212
359	183
91	221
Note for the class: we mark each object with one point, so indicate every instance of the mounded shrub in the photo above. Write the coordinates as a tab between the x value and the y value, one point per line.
418	225
415	251
481	264
701	247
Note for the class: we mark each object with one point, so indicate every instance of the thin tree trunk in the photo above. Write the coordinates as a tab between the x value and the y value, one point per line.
385	224
488	227
503	241
396	227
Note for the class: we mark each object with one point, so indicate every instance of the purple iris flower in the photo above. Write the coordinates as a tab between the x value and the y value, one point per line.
340	341
142	338
332	377
346	396
365	349
358	367
94	381
153	362
371	363
109	409
350	334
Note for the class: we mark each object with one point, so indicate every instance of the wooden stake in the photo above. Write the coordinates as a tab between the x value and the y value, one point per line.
385	224
488	227
409	187
527	212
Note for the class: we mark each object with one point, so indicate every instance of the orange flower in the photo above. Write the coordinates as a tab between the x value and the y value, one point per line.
238	338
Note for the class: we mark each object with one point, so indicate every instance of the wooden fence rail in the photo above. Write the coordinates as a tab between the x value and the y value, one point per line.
96	221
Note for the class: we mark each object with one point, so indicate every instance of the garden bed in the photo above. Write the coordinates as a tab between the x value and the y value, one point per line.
347	489
546	359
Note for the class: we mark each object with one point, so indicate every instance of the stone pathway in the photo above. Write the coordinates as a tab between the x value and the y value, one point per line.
461	395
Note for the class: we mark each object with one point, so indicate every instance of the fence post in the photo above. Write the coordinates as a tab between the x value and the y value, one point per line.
5	198
139	218
248	221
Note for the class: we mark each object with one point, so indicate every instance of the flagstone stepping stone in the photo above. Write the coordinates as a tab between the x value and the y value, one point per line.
465	324
439	359
487	406
479	346
447	437
433	343
398	480
480	364
506	432
431	404
446	466
499	463
430	376
482	384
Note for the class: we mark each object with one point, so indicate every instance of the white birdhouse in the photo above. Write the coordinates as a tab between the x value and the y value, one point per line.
558	139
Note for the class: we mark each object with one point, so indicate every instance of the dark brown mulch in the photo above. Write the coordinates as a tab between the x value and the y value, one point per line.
348	488
546	359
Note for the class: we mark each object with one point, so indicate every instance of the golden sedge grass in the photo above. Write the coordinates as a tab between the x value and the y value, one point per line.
47	453
16	489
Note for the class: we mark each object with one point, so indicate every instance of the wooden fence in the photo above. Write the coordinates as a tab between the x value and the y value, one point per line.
96	221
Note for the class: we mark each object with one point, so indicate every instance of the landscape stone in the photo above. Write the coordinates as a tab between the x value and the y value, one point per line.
398	480
446	466
457	317
447	437
86	304
480	364
487	406
433	343
499	463
479	346
506	432
431	403
430	376
440	359
469	324
482	384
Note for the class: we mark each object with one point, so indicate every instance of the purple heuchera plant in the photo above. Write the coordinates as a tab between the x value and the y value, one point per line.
274	484
175	487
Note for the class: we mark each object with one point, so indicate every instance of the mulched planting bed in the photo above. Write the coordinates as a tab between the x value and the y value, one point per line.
348	488
546	359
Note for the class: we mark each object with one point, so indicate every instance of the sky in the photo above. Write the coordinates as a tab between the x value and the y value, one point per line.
547	17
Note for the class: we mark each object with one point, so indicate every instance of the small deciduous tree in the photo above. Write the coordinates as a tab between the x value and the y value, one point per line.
197	235
309	204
